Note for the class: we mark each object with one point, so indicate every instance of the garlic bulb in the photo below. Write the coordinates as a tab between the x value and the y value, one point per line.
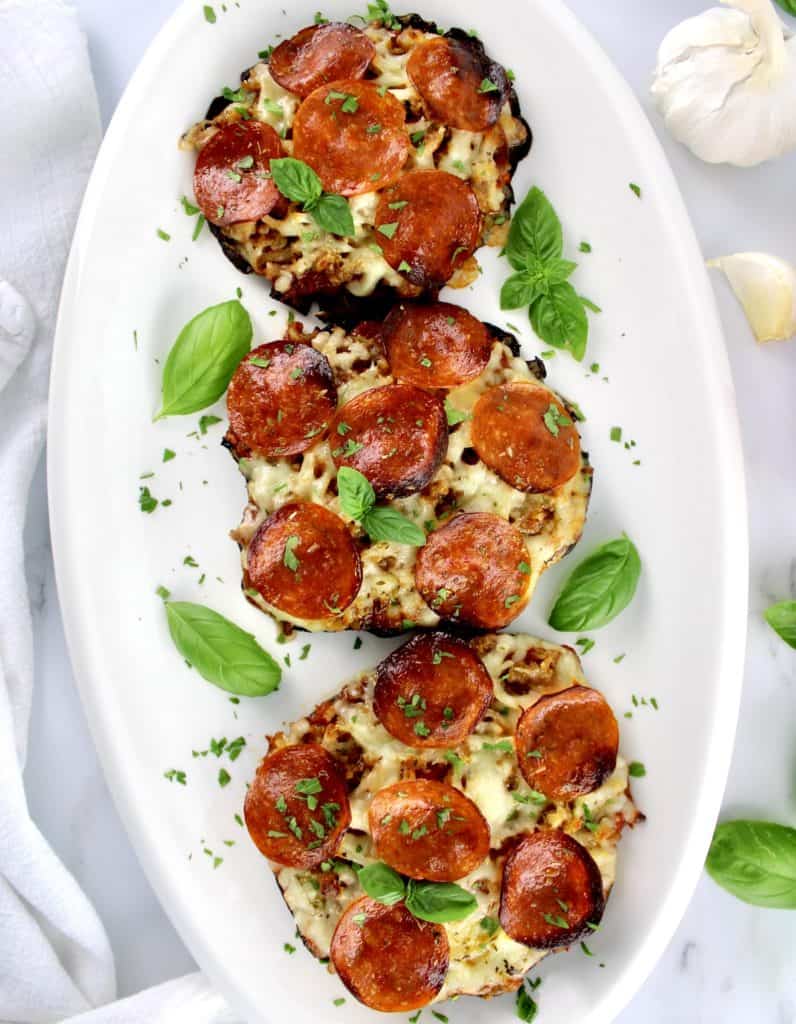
726	84
766	288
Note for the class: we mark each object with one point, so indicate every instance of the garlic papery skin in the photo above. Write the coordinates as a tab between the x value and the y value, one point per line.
766	288
726	84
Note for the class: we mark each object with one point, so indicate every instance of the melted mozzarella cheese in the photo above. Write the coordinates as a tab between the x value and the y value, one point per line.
550	523
358	264
481	963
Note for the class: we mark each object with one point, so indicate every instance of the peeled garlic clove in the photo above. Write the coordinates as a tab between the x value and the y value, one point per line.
766	288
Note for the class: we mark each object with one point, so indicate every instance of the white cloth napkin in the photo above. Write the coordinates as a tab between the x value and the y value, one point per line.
55	959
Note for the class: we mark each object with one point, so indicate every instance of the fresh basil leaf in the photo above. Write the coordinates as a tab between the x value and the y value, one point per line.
788	5
296	180
557	270
382	884
519	290
599	588
755	861
390	524
527	1008
204	357
535	231
356	494
559	319
221	652
333	214
782	619
440	902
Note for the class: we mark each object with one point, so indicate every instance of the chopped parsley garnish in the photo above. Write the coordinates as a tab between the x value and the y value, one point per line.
419	833
163	593
524	568
305	650
619	659
207	421
585	247
436	658
636	770
188	206
588	820
168	454
585	643
289	559
487	85
586	949
439	1016
210	14
489	924
388	230
175	776
224	778
501	747
453	758
554	419
289	949
357	643
164	235
260	361
373	129
556	921
616	434
339	1001
417	138
533	796
511	600
421	729
146	501
635	189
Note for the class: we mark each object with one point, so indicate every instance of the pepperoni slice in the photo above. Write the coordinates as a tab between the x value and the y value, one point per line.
230	181
387	958
460	86
475	570
567	743
428	830
395	435
432	692
297	807
353	137
523	433
320	54
436	346
303	561
428	224
552	891
281	400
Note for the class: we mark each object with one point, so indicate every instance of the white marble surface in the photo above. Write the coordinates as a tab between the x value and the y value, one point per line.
728	962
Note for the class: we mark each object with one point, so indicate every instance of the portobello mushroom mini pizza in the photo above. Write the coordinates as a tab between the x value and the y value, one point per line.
357	166
461	805
406	474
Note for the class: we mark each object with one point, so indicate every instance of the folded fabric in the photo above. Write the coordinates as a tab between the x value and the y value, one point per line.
188	1000
55	959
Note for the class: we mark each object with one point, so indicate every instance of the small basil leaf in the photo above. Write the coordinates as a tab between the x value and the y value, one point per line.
527	1008
382	884
203	358
390	524
440	902
518	291
221	652
782	618
557	271
333	214
296	180
599	588
788	5
755	861
560	319
535	230
357	497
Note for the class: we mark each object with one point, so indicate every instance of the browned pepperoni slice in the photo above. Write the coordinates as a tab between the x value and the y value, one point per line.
353	137
475	570
552	891
396	436
320	54
303	561
281	399
436	346
428	830
525	435
297	807
428	224
432	692
232	180
459	85
567	743
387	958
